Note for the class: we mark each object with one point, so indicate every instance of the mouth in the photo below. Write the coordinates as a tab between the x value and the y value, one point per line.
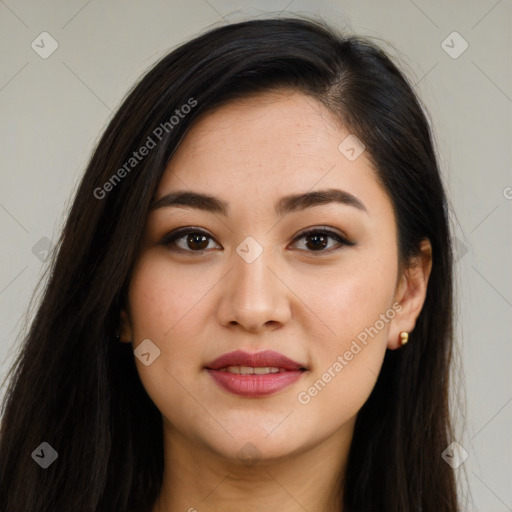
255	374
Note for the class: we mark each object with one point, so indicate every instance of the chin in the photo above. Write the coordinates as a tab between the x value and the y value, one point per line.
251	444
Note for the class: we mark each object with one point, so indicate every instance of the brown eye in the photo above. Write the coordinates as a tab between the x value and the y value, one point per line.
197	241
317	240
187	240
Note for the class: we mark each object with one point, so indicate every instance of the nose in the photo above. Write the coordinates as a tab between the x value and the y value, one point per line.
254	296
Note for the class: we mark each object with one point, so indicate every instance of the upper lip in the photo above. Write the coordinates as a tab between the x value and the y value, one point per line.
265	358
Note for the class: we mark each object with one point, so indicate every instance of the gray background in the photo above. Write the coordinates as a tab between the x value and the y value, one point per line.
54	109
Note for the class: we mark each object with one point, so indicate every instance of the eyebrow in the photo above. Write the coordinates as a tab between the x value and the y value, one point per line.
285	205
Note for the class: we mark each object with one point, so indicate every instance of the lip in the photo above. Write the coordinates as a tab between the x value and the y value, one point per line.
255	385
263	358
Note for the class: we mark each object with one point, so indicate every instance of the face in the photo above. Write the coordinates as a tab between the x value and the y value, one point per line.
315	280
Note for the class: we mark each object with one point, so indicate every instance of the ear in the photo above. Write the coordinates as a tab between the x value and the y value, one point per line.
410	293
125	327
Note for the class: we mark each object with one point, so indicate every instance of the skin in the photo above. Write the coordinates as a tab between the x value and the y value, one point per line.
307	304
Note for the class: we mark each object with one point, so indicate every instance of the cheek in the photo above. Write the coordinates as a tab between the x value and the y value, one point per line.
170	306
347	358
161	298
162	308
356	305
351	300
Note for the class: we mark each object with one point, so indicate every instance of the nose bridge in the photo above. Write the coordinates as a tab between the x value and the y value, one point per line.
255	296
254	283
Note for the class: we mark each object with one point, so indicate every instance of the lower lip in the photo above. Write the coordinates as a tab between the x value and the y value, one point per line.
255	385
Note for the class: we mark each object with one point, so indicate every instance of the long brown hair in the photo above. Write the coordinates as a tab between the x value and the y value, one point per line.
74	388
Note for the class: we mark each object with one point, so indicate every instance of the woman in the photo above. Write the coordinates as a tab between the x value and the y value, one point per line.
251	304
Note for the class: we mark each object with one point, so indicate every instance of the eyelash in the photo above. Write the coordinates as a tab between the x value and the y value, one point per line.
170	239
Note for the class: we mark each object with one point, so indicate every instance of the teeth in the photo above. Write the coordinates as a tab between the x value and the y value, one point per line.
249	370
263	371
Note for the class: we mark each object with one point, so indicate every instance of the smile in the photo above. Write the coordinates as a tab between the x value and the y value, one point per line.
254	374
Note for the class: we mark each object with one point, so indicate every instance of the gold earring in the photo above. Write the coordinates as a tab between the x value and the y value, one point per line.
404	337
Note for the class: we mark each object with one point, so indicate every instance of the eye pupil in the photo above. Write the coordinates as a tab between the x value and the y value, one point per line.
198	238
320	241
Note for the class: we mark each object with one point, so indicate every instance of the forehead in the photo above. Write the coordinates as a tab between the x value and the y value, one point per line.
265	127
265	146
